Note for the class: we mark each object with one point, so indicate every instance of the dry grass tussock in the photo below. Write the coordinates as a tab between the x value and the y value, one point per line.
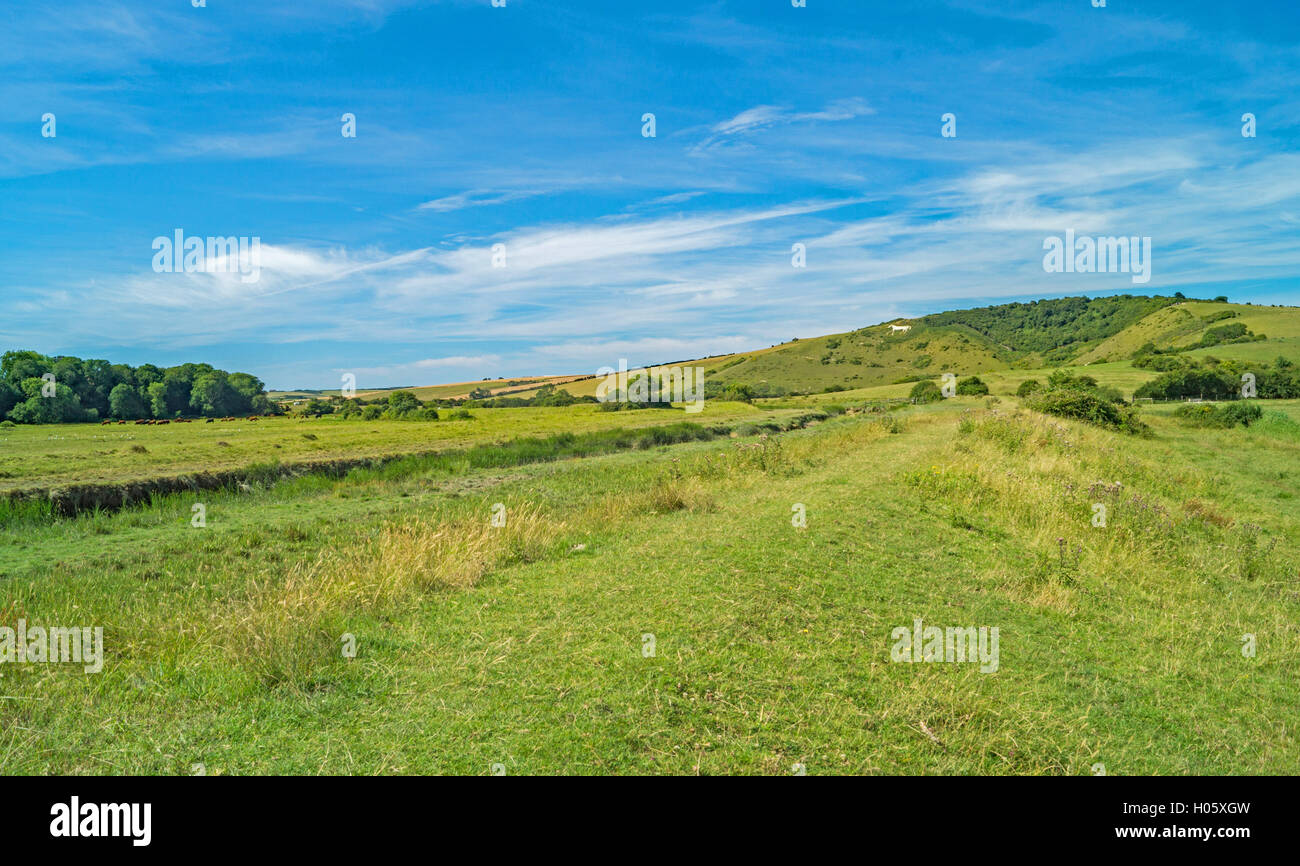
1091	513
282	629
287	627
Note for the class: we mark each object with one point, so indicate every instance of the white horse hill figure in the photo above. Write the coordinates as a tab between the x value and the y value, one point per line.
894	329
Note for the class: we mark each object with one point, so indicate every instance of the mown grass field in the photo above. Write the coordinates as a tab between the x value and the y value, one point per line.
587	386
523	645
461	390
450	390
51	455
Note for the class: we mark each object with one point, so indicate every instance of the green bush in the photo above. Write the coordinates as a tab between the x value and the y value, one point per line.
1161	363
1197	415
972	386
738	392
1191	382
624	406
1029	387
1089	406
926	392
1066	379
400	402
1221	417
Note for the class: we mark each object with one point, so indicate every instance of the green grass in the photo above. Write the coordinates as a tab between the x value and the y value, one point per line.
1183	324
1265	351
1002	383
53	455
522	645
772	644
868	357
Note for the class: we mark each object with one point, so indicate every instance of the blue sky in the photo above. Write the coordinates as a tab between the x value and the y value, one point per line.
522	126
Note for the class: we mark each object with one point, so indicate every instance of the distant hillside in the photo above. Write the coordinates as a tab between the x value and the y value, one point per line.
1054	330
871	356
1183	325
1006	337
1038	333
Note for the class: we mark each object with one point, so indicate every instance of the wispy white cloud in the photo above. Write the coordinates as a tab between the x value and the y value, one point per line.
708	282
474	198
762	117
422	369
649	249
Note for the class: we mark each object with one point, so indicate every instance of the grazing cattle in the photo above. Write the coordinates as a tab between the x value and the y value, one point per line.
102	423
252	417
209	421
121	422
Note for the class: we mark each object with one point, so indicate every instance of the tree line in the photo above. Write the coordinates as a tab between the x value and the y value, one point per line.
1223	380
43	389
1056	327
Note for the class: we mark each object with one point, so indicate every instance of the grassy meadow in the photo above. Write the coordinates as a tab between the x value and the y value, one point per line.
655	610
47	455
